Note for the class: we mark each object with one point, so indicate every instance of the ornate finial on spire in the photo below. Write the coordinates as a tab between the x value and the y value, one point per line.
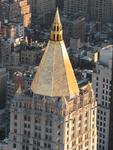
56	31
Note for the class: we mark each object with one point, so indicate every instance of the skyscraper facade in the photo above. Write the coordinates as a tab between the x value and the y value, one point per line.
19	12
41	7
102	87
101	10
97	10
55	114
75	6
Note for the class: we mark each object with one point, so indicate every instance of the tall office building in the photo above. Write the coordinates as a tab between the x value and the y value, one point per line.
102	87
97	10
19	12
3	86
76	6
40	8
101	10
57	114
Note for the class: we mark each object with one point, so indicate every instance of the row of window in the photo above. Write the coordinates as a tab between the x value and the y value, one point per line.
24	147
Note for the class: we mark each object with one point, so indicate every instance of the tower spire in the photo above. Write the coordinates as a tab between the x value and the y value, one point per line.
56	31
55	76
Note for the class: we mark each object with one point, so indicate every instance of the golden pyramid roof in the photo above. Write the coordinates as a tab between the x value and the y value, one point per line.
55	76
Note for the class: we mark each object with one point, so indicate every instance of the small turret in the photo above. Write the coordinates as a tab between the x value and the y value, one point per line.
56	31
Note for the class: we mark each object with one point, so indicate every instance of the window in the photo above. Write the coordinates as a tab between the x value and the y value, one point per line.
54	36
38	143
27	148
104	124
28	125
15	124
29	118
28	133
25	132
25	125
54	28
23	147
57	37
73	120
105	113
14	145
106	92
86	114
93	112
57	28
103	79
68	125
25	117
86	136
103	97
80	117
15	130
103	130
103	148
104	119
45	145
49	145
15	116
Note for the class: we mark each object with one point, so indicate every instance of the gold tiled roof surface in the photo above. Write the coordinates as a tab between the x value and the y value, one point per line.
55	76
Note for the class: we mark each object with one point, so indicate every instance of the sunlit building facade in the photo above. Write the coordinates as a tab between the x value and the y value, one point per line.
19	12
55	114
102	87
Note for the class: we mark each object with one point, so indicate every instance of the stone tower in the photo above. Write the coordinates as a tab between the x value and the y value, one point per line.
56	114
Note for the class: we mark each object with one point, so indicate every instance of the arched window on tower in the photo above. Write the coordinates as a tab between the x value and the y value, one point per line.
57	28
54	37
57	37
54	28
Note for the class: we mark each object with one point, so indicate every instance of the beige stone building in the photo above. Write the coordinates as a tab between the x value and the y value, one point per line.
56	114
19	12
